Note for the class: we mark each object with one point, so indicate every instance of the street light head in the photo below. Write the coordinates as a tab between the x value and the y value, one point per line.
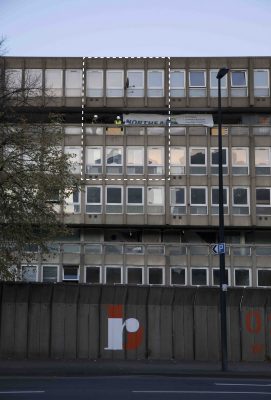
222	72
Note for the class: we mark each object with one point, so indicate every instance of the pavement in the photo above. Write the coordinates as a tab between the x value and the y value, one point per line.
60	368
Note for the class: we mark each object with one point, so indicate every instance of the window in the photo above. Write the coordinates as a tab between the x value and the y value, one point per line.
240	201
54	82
135	83
93	274
239	83
134	249
71	273
177	160
114	200
215	200
215	160
50	273
135	200
198	201
114	83
93	199
199	276
262	161
135	160
263	201
29	273
156	160
113	275
72	129
94	83
197	160
155	200
156	130
71	248
33	82
94	160
197	83
13	79
177	131
74	159
156	250
93	248
261	82
94	130
113	248
114	160
216	276
177	83
156	83
72	203
242	277
214	84
178	276
156	276
240	161
134	275
73	83
264	277
178	200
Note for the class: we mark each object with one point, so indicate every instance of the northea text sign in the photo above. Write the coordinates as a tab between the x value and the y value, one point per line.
164	120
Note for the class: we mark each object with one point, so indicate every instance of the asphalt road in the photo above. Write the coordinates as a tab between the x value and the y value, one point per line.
133	388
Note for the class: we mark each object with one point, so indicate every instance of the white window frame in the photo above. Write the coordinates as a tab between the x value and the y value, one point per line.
268	149
162	165
76	91
100	148
246	78
262	87
71	280
75	161
226	205
224	81
182	148
197	268
94	204
14	78
170	277
134	267
246	149
196	204
241	205
135	204
257	277
121	274
69	203
33	75
99	87
100	274
174	204
197	86
197	165
249	276
175	89
30	266
212	149
131	148
151	204
157	88
138	89
114	204
49	266
121	87
163	276
54	91
114	164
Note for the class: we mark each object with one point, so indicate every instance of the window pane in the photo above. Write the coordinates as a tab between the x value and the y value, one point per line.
13	78
242	277
50	274
93	249
261	79
199	276
73	82
178	276
239	156
198	196
215	196
155	156
53	82
263	196
135	156
70	273
215	155
216	277
156	196
94	156
94	195
71	248
264	277
155	276
238	78
93	275
197	78
214	80
177	195
262	157
134	276
114	195
113	275
197	156
95	83
155	79
29	273
135	195
240	196
177	156
114	156
177	79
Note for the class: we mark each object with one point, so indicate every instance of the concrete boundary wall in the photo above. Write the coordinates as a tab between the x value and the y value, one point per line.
71	321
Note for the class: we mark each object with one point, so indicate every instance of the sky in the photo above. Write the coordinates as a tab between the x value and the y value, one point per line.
126	28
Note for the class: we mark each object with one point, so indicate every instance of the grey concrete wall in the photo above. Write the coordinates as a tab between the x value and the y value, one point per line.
69	321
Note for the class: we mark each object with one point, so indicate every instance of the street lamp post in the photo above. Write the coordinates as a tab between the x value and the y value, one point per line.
223	284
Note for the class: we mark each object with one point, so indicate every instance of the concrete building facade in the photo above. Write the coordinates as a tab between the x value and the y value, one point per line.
147	211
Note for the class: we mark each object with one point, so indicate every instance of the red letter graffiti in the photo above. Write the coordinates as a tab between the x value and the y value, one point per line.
253	322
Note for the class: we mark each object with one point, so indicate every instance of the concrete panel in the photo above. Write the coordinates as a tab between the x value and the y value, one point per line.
268	325
253	325
234	299
88	322
206	324
154	322
166	345
183	324
8	313
39	321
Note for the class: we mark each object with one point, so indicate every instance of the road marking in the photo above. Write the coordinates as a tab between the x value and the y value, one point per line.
242	384
195	392
23	392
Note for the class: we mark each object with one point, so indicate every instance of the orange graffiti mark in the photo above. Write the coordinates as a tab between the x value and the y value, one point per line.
257	348
134	339
253	322
115	311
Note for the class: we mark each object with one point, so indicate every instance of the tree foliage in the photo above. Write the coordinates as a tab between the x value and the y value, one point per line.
35	175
